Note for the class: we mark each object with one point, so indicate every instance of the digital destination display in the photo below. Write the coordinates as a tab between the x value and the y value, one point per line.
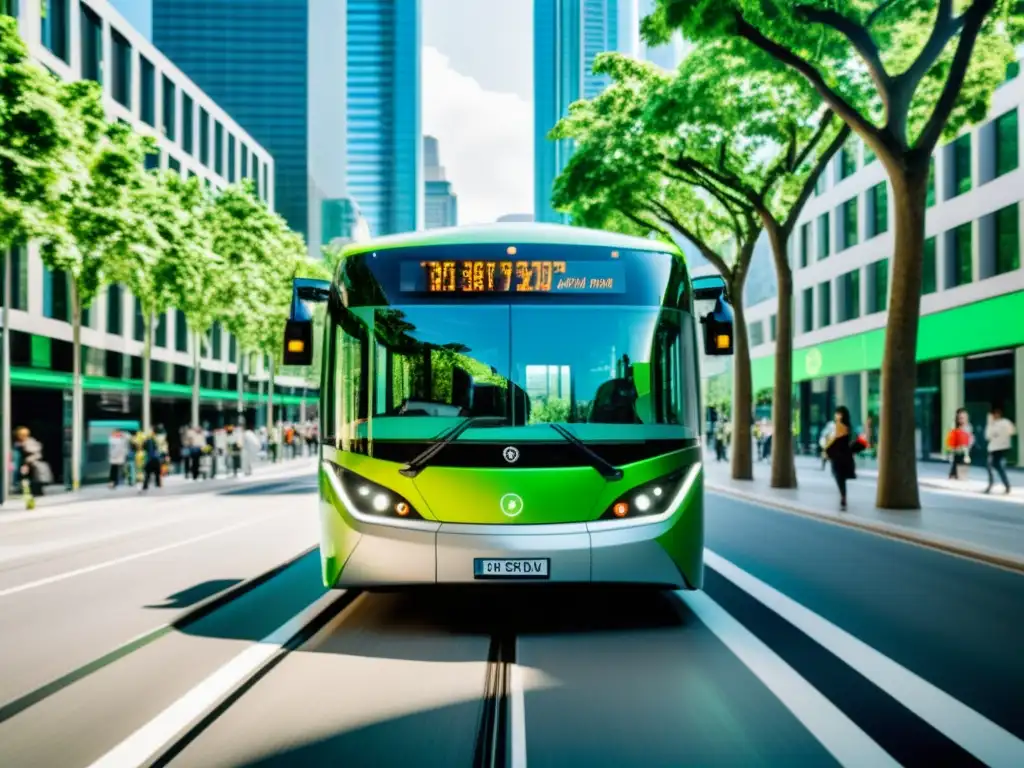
512	276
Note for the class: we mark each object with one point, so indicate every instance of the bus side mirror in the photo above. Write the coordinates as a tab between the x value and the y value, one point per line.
718	329
298	331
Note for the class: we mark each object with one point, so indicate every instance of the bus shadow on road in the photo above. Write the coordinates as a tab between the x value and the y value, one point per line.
186	598
297	486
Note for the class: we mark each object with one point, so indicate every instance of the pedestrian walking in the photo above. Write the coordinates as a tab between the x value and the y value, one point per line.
234	448
250	450
959	442
117	455
153	458
999	433
840	451
827	433
34	472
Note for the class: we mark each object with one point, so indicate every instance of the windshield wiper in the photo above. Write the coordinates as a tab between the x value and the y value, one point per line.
608	471
417	465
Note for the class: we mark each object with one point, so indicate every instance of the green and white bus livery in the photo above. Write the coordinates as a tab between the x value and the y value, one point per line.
511	403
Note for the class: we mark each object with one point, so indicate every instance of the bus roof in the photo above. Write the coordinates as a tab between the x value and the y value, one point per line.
518	233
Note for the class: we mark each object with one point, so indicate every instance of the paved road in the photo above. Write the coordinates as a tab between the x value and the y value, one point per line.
811	645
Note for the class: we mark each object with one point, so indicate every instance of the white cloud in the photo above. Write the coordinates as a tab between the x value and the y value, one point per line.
485	138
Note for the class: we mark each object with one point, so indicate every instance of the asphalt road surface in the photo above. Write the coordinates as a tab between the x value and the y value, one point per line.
811	645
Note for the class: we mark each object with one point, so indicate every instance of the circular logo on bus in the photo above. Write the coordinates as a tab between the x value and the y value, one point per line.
511	454
511	504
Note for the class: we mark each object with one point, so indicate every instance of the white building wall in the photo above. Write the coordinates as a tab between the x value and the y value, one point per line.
33	320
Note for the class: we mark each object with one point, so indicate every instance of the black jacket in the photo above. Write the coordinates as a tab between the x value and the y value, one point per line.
840	453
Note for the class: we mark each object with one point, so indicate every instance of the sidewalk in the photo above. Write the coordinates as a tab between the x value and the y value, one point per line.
960	520
59	496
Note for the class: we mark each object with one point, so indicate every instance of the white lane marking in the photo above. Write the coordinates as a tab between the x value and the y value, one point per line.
517	714
824	720
987	741
127	558
143	745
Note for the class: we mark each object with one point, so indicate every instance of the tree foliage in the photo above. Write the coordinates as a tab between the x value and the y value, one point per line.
35	133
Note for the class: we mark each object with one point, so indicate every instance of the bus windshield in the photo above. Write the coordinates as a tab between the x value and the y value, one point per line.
606	372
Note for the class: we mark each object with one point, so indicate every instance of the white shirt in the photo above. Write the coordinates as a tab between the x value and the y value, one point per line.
998	434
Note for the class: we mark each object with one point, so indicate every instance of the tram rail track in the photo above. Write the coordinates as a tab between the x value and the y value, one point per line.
494	743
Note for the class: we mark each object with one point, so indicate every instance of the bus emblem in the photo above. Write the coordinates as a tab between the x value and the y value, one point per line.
511	454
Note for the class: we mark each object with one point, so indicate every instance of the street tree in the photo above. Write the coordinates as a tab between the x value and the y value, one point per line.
903	75
763	138
619	177
172	251
95	225
34	135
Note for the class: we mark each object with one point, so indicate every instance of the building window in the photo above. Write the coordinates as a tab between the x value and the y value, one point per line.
55	296
147	92
173	164
824	237
231	159
805	243
930	193
757	333
962	165
139	326
850	223
204	137
1012	70
819	184
266	184
54	27
808	310
92	45
929	276
847	160
771	328
879	221
160	337
1007	239
19	274
869	155
256	174
152	161
114	304
849	296
180	331
232	349
121	66
187	135
824	304
962	271
1007	143
878	296
245	160
216	334
218	148
170	114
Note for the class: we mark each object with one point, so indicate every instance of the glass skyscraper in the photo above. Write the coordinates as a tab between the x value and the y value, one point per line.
441	208
330	87
567	36
382	89
251	57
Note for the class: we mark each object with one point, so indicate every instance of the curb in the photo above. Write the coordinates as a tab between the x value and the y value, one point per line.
191	615
888	530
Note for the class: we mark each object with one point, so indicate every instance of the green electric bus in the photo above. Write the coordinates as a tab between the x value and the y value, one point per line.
511	403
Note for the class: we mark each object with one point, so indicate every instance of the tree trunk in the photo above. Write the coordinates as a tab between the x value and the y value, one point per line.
77	409
240	375
897	460
147	373
742	390
270	396
197	345
6	420
783	462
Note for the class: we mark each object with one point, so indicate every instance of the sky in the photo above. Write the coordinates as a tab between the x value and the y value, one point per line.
477	101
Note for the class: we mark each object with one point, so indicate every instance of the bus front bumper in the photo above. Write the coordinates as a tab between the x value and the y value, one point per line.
357	553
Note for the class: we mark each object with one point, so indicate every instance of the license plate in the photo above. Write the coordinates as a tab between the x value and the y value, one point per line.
517	568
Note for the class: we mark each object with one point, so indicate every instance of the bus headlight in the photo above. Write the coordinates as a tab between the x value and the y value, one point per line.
651	498
369	498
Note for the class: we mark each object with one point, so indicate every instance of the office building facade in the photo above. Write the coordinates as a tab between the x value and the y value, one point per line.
441	205
196	137
970	349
